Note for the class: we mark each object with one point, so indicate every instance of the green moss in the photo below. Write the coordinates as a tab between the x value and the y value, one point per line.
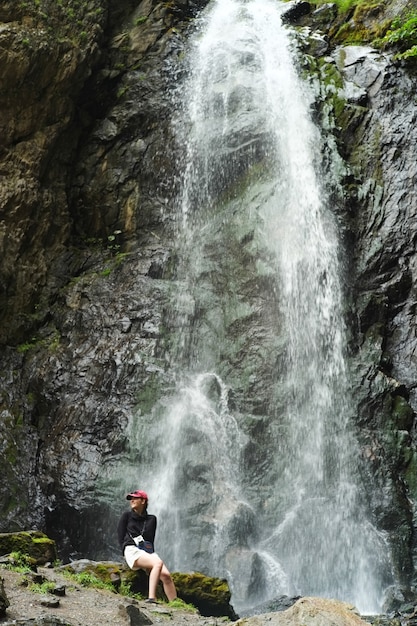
28	345
402	414
51	342
410	474
34	544
357	21
140	20
206	587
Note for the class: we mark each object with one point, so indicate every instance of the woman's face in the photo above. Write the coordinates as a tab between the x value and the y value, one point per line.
138	504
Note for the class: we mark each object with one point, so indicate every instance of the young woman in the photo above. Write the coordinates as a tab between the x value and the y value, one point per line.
136	533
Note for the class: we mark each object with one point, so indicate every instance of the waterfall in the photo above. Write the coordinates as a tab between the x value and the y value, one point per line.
251	461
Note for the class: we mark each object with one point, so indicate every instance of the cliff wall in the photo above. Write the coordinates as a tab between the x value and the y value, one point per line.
87	168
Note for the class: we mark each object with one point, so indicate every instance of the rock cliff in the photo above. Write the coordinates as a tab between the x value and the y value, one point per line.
87	168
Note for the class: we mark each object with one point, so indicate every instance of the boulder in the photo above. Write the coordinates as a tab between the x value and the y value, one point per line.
211	596
311	612
33	543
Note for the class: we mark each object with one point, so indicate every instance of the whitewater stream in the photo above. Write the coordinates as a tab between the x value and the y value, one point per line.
253	218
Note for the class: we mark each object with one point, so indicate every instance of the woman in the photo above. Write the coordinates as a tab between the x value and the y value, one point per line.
136	533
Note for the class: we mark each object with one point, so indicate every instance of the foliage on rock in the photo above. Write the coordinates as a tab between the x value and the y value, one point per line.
401	36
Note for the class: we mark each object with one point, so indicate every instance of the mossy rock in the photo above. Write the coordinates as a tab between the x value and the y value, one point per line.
104	571
32	543
211	596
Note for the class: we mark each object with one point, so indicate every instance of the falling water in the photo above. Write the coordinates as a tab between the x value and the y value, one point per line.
252	211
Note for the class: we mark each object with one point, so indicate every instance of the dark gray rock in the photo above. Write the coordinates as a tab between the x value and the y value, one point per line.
4	602
135	615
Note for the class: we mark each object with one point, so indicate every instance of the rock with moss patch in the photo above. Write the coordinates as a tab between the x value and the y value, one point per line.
211	596
32	543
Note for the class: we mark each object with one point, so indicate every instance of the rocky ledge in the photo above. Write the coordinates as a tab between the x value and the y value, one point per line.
43	594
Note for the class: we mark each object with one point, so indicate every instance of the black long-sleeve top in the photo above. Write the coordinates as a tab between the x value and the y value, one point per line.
131	525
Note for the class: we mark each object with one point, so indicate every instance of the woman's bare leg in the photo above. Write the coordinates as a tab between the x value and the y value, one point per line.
168	584
154	576
153	564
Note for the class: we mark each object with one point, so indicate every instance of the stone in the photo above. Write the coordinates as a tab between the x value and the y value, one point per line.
310	612
297	10
4	602
59	590
134	615
50	602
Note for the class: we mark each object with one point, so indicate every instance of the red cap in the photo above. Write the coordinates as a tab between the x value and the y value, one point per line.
137	494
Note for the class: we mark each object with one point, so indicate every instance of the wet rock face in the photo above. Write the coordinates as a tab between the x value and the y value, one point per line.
45	60
381	154
85	221
374	129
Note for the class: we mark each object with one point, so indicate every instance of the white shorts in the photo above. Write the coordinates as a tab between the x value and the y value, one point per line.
132	554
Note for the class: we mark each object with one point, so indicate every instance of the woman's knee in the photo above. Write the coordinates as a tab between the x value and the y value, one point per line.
158	563
165	575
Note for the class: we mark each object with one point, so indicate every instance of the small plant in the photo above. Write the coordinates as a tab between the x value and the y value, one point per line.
122	91
111	239
342	5
140	20
46	587
87	579
20	562
124	589
120	256
28	345
402	34
180	604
